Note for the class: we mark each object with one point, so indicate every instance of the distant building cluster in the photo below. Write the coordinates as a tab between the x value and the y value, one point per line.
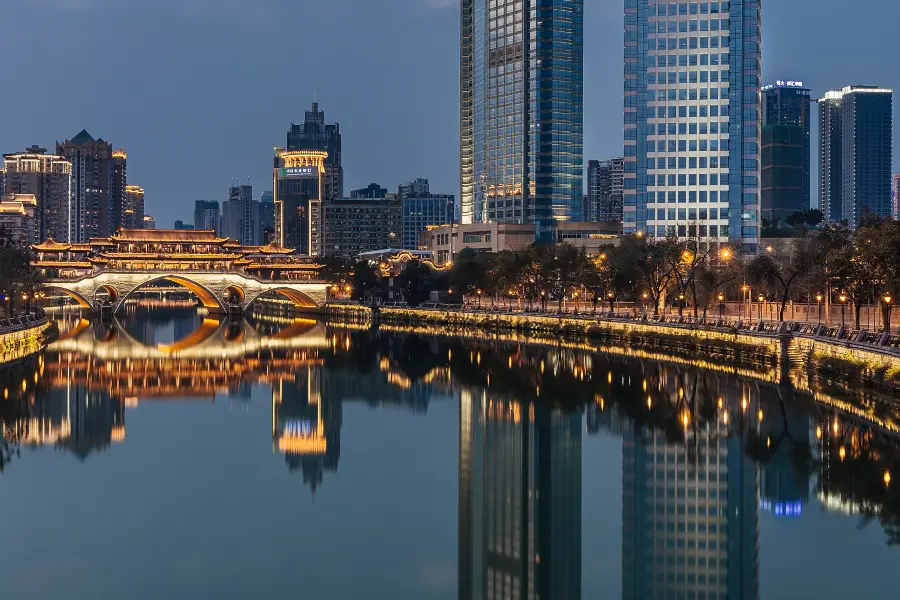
79	192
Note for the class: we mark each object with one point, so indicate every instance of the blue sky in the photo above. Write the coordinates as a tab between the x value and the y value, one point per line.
199	91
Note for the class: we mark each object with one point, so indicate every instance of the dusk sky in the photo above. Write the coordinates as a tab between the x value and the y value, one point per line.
199	91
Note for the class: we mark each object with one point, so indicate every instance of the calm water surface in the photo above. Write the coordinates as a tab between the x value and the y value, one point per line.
171	456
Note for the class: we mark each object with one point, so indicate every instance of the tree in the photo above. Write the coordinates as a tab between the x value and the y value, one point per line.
17	276
365	280
781	270
469	272
564	269
417	281
648	261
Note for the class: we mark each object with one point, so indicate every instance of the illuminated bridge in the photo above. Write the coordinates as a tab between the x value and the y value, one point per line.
224	275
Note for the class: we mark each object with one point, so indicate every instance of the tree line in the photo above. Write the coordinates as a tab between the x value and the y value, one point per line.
855	267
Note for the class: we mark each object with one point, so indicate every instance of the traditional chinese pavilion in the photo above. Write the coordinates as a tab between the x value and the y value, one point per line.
170	251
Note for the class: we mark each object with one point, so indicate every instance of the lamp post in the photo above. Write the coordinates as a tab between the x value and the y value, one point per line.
611	295
721	306
680	305
843	299
887	312
644	303
761	300
819	304
745	298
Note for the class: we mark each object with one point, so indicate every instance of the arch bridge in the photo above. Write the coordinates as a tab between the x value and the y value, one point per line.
224	274
218	292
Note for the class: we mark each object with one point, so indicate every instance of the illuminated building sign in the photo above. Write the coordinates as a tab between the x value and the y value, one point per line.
782	83
297	172
298	427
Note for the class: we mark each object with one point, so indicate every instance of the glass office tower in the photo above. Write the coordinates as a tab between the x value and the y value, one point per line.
521	111
785	152
692	126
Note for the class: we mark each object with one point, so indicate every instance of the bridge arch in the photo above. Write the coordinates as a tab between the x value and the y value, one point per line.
81	300
112	294
207	297
299	299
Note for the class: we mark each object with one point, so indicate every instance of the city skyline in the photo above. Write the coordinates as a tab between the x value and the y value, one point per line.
239	134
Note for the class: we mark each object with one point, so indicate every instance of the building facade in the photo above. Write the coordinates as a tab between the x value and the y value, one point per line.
266	217
519	499
119	190
856	135
692	119
240	216
49	178
785	169
207	215
92	211
895	195
606	185
308	172
149	222
182	226
132	208
18	218
419	213
354	225
521	112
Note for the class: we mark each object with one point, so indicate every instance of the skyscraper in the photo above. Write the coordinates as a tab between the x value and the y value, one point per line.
519	500
855	153
785	173
92	213
606	183
306	173
895	195
266	217
240	216
521	112
49	179
692	77
133	207
206	215
119	190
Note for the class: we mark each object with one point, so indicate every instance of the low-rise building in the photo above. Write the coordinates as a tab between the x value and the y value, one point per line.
447	240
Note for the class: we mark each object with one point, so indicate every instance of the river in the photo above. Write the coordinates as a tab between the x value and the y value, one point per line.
167	455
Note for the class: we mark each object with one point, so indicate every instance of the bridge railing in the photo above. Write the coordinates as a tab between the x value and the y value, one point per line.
26	321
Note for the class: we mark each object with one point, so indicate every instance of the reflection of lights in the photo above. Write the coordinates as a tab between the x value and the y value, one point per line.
645	385
720	403
769	441
818	432
744	404
685	418
609	378
725	417
842	453
649	402
759	415
836	427
887	478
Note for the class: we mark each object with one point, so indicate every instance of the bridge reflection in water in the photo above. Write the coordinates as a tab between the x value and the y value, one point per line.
703	453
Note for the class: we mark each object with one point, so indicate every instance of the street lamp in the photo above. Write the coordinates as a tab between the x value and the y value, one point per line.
761	300
819	303
611	295
843	299
721	306
745	297
887	312
644	303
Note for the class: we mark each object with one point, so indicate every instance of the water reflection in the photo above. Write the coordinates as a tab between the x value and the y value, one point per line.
703	453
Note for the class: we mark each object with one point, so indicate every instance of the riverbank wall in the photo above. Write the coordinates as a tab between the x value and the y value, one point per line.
775	353
23	336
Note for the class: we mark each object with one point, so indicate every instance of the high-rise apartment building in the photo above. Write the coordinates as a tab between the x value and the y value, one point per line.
266	217
785	170
692	119
606	186
207	215
420	209
354	225
519	499
373	190
149	222
92	213
240	216
521	112
133	207
416	187
119	191
307	173
49	178
855	154
895	195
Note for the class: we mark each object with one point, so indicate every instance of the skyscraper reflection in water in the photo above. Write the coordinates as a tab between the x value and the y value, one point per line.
306	427
519	500
690	524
